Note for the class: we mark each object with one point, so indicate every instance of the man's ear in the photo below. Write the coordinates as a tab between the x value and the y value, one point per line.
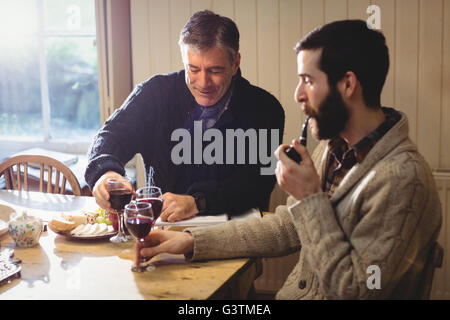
348	84
237	63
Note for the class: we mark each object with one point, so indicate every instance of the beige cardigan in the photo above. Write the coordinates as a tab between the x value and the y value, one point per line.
386	212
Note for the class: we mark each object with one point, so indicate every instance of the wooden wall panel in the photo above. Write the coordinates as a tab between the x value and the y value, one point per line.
388	11
179	15
246	20
197	5
312	15
335	10
430	77
223	7
140	40
357	9
268	35
417	32
160	41
406	61
444	160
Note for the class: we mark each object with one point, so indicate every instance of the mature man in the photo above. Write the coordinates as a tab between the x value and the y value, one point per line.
209	94
366	199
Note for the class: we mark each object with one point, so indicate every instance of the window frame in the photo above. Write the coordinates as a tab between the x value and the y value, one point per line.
113	40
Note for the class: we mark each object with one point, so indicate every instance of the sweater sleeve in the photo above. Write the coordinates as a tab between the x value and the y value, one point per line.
270	236
121	136
390	203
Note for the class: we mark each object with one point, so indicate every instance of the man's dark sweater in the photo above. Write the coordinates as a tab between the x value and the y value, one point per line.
145	122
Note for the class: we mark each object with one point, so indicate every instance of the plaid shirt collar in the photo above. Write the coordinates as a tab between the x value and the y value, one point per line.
358	153
342	159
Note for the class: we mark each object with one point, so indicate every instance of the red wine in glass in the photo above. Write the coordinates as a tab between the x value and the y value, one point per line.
139	221
139	226
119	198
151	195
156	205
120	191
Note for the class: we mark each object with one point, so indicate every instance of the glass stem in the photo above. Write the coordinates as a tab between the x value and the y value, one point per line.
120	217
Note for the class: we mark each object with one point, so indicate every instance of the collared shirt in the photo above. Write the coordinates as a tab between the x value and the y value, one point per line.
342	159
210	115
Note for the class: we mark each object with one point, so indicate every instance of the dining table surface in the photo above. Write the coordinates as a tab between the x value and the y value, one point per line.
60	267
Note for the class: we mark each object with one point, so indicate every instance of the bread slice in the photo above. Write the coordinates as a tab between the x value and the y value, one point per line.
59	224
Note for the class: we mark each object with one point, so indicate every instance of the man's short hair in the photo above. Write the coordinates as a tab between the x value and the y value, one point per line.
206	30
349	45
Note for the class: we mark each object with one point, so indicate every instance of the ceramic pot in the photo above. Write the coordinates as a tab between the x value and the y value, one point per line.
25	229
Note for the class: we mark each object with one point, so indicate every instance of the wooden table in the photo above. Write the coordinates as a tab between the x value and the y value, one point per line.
60	268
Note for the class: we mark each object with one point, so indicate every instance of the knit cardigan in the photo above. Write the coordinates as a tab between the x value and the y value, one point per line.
385	213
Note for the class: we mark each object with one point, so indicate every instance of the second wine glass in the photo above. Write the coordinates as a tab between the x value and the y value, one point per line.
151	195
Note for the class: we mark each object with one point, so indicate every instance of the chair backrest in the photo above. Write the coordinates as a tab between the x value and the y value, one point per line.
434	261
11	169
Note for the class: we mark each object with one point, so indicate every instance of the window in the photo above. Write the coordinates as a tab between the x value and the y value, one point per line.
48	71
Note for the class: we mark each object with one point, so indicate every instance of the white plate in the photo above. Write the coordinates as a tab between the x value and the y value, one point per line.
68	235
5	213
86	237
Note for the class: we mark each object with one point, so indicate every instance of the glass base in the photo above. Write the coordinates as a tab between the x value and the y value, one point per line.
118	238
143	268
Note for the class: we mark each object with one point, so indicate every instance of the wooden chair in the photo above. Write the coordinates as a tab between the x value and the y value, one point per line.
16	178
434	261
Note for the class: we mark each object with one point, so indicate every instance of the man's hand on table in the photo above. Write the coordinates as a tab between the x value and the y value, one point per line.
177	207
164	241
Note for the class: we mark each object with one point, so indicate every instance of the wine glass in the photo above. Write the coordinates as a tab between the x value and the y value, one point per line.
120	193
151	195
139	220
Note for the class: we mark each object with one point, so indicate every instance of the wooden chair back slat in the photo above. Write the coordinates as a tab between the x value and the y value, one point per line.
49	179
56	188
25	176
41	178
13	178
19	181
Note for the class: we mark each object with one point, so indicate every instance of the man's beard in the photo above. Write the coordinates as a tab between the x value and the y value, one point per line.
331	117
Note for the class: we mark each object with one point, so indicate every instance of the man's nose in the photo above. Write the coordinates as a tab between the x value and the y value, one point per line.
300	94
203	79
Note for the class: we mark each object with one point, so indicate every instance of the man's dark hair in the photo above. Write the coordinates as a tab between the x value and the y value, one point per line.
206	30
349	45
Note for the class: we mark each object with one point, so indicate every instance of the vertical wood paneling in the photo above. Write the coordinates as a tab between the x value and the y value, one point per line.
246	20
179	15
224	8
335	10
268	26
357	9
388	9
197	5
290	34
160	47
418	38
430	64
140	40
444	161
406	61
312	15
